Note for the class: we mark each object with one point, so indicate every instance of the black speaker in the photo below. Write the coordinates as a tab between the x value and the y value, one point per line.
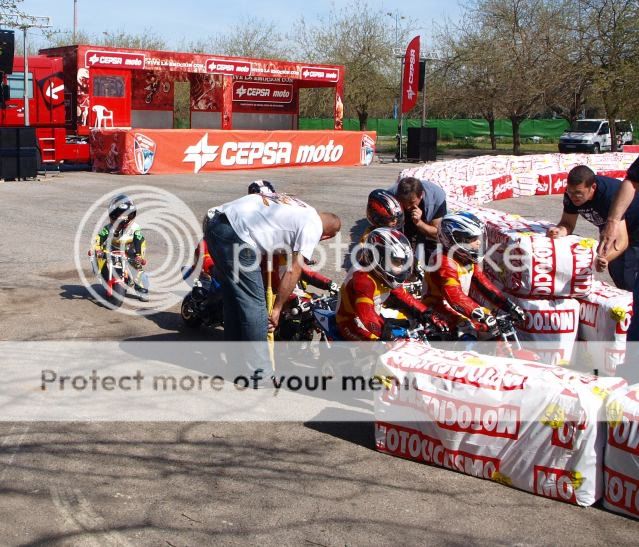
18	137
422	143
19	163
7	43
422	72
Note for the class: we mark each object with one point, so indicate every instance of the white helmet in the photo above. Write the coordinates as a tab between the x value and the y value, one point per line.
389	254
458	230
261	187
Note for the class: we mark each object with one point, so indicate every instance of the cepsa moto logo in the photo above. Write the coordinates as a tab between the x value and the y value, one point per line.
262	92
230	68
253	153
502	187
320	74
114	59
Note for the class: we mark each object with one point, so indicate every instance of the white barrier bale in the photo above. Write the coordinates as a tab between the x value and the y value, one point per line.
604	318
531	426
540	267
524	184
605	313
552	324
621	460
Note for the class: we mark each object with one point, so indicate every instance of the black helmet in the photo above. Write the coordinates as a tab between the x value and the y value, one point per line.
383	210
122	211
261	187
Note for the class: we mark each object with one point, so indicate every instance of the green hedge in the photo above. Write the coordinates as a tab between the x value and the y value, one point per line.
448	129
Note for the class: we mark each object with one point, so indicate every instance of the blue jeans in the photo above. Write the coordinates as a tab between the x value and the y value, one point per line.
623	269
238	268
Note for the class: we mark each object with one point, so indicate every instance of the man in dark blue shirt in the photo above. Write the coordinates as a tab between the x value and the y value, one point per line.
591	196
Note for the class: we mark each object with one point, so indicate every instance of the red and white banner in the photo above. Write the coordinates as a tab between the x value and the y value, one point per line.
410	82
554	183
230	68
190	151
260	92
114	59
319	74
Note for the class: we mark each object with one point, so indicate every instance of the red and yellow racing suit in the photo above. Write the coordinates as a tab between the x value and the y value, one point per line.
447	290
362	297
207	260
307	277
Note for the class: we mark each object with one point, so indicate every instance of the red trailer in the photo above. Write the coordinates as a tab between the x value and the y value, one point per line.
76	91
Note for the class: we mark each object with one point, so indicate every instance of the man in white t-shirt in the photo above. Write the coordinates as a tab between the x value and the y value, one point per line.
244	231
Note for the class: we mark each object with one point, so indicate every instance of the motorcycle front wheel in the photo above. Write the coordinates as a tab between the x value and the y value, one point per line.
189	316
118	292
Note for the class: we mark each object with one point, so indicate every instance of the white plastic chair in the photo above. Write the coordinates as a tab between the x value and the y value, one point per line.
102	115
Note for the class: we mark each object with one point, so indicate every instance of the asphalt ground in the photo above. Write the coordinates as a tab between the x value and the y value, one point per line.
179	483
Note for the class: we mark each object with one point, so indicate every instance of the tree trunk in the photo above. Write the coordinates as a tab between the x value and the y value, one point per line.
363	120
491	129
613	135
516	121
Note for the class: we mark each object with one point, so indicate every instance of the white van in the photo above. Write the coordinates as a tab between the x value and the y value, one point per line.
594	136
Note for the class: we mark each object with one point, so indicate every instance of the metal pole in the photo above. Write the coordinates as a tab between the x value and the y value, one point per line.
75	19
26	77
401	106
424	98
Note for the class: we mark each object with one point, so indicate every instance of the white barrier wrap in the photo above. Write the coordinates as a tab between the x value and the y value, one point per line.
513	176
604	316
621	460
554	323
535	427
539	267
605	313
531	264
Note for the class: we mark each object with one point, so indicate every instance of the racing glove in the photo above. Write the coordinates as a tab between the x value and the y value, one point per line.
333	288
435	323
487	321
138	261
516	313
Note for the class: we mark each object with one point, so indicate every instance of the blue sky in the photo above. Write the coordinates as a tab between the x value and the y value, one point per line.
191	20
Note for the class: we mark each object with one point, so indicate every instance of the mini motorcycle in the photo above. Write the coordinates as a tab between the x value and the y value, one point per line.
338	355
112	269
297	322
199	308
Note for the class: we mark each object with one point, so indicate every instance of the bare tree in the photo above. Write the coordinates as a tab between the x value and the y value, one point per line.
115	38
611	29
253	37
360	38
466	76
523	33
9	9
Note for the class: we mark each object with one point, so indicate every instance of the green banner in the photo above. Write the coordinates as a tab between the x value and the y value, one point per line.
447	129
